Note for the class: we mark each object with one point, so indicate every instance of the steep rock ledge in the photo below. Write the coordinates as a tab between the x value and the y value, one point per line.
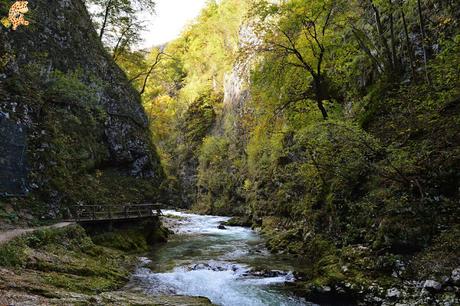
87	134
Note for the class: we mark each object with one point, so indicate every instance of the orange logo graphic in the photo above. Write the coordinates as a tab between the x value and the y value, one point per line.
16	15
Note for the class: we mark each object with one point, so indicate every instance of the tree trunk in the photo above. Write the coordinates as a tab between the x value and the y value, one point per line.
147	76
362	44
408	43
106	17
320	94
322	109
115	50
119	41
425	49
381	31
394	55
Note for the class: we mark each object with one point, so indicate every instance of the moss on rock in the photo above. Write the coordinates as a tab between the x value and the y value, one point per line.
56	266
87	133
67	259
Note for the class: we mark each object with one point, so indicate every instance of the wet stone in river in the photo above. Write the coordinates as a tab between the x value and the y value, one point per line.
230	267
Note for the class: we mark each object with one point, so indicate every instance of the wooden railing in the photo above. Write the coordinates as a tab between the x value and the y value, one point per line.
82	213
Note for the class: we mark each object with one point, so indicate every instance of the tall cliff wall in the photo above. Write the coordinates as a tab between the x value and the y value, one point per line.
87	136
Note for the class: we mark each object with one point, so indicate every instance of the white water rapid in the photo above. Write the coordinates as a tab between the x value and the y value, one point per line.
229	266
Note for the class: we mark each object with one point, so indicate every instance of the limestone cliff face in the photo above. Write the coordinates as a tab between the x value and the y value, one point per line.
236	89
85	123
232	128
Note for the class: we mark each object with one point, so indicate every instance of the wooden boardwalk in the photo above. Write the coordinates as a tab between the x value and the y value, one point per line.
107	213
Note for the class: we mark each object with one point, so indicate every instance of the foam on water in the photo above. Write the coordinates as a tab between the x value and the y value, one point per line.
197	224
207	264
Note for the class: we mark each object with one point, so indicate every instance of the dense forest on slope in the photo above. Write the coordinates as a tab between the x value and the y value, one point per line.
331	125
184	93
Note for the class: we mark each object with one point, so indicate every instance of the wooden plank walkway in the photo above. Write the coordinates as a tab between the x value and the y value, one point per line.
104	213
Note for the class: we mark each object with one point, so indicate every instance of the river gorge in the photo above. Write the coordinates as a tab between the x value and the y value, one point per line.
228	265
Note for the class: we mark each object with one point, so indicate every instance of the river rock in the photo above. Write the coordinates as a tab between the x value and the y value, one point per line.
325	289
215	266
393	293
432	285
239	221
201	266
445	280
266	273
222	227
455	277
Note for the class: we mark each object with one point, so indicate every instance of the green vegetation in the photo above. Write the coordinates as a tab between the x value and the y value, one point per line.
118	23
67	259
182	86
134	239
77	266
87	137
70	155
331	125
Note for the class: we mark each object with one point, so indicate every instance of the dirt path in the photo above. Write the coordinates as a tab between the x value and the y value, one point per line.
9	235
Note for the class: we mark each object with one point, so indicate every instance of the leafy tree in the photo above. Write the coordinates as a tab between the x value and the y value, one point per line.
397	36
118	23
299	33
